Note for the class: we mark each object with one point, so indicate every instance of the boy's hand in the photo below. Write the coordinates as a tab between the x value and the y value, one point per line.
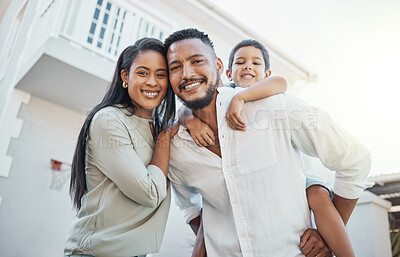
233	114
201	133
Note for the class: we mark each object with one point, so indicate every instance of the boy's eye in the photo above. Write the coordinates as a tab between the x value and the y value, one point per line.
238	62
257	63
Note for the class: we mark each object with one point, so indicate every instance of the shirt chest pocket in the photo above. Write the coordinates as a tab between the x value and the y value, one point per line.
255	150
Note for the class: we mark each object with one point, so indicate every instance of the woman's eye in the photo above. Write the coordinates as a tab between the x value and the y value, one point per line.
161	75
143	73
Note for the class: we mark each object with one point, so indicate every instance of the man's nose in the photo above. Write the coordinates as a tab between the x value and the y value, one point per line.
187	71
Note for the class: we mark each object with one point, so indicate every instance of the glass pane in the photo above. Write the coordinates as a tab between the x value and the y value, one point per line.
92	28
90	40
105	20
108	7
96	14
99	44
100	2
102	32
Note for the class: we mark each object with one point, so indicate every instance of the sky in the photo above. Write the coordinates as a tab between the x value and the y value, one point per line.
354	48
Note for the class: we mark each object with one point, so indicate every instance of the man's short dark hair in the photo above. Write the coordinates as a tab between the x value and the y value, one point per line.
250	42
187	34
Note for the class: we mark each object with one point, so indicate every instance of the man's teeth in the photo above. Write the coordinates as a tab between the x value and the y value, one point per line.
149	93
192	85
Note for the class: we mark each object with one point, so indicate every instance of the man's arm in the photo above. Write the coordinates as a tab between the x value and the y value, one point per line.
344	206
195	224
199	249
314	133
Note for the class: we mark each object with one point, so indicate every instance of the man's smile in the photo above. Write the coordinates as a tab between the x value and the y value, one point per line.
191	85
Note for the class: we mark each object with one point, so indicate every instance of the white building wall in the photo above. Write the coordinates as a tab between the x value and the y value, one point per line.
34	219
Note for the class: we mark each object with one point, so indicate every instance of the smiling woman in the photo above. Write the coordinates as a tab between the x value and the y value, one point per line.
115	167
147	82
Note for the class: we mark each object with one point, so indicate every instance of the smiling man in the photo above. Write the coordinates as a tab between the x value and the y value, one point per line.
249	184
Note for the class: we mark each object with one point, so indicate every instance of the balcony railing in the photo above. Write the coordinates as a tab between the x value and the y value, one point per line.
106	27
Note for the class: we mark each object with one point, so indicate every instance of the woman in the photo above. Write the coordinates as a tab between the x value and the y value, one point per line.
118	179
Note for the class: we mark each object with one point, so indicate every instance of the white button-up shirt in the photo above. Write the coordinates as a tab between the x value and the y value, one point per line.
253	198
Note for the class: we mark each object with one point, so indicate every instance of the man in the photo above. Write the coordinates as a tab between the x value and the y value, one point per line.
248	184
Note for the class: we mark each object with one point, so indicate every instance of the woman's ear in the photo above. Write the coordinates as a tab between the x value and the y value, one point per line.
267	73
229	74
124	76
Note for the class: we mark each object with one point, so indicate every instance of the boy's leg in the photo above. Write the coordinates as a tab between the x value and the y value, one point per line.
328	220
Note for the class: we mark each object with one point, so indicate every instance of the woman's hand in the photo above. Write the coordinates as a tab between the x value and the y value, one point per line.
169	131
233	114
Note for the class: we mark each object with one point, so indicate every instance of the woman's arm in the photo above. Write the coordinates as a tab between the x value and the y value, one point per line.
112	151
262	89
161	150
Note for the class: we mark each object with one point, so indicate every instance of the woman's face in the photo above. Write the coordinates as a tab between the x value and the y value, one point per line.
147	82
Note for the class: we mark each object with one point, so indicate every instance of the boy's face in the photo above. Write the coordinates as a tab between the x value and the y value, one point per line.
248	67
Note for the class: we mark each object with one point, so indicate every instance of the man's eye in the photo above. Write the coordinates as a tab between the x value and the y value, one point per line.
174	68
197	61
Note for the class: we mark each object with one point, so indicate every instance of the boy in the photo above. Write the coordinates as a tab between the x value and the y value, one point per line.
249	67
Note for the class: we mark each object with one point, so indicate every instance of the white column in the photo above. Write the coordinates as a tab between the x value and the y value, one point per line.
368	227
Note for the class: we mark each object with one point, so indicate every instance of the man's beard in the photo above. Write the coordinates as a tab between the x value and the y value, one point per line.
203	101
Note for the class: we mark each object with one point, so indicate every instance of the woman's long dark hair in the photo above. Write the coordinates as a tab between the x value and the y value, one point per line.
163	115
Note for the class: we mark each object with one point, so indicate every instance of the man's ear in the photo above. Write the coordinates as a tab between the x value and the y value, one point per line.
124	76
229	74
220	66
267	73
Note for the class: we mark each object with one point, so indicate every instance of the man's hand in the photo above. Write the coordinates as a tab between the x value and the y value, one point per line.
312	244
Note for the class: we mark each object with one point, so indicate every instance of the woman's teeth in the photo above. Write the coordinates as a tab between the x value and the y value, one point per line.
149	93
